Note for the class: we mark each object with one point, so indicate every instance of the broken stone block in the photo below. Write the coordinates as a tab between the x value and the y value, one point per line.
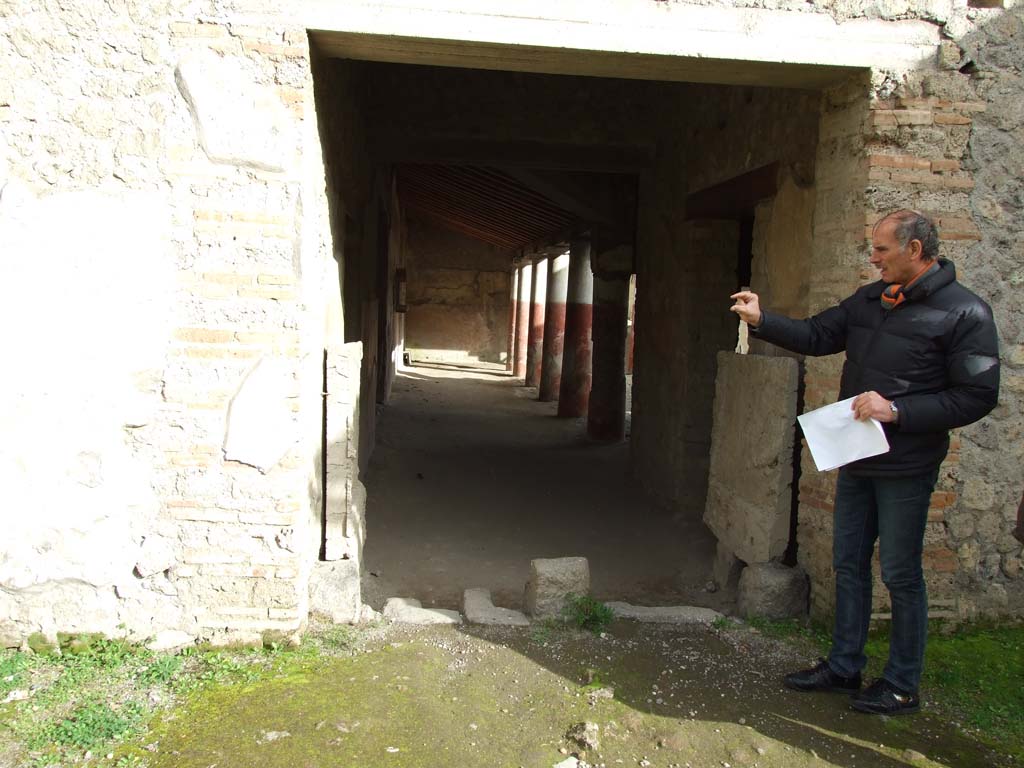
368	614
585	736
41	644
480	609
749	498
772	591
75	643
406	610
277	638
155	556
233	638
335	592
665	614
239	122
551	581
10	635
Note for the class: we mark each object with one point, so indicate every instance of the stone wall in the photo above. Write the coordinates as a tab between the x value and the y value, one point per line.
164	217
993	452
458	296
687	269
674	368
782	249
751	470
946	142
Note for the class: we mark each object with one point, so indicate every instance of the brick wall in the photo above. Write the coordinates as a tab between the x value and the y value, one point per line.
914	144
180	528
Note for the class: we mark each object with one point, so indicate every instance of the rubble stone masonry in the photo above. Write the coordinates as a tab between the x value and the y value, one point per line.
947	142
193	510
170	249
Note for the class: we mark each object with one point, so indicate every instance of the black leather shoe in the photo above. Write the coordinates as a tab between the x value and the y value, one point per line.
821	678
884	698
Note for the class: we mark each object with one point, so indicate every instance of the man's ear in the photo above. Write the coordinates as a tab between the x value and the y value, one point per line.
916	249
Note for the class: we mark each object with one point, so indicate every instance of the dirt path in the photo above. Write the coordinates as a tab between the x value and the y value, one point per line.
472	477
500	698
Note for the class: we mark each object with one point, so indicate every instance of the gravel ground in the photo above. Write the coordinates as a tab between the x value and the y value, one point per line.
469	696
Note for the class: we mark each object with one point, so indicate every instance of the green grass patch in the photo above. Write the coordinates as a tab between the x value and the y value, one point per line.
972	675
14	668
793	629
160	671
976	675
98	694
586	612
90	724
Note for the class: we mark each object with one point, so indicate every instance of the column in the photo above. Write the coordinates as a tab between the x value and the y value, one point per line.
522	319
554	327
631	325
606	413
535	341
574	390
513	303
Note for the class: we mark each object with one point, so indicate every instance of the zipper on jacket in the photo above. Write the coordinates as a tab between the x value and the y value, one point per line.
872	343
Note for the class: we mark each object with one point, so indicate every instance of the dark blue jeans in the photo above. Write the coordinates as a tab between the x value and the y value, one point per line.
893	511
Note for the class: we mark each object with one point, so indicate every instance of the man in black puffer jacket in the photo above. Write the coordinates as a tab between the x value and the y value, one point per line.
922	358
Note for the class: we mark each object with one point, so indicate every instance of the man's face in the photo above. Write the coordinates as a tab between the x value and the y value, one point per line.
897	264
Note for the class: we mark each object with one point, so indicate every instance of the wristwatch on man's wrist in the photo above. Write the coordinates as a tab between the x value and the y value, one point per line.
895	411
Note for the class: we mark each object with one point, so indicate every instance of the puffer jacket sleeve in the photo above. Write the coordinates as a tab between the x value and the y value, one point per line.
823	334
972	373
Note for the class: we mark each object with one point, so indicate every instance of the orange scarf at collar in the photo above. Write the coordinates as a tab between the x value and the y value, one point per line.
895	294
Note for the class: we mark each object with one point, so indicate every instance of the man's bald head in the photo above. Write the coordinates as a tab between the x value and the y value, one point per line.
911	225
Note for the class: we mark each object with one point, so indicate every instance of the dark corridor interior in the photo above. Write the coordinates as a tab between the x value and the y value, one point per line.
472	477
473	174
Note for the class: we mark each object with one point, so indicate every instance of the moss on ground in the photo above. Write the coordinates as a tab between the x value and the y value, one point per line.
469	697
972	675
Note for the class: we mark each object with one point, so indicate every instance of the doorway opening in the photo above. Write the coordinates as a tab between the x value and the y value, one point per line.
470	184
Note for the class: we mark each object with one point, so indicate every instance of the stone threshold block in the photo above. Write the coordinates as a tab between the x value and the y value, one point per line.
480	609
551	581
665	614
334	591
772	591
406	610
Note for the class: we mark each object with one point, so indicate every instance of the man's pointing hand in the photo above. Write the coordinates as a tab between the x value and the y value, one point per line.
747	307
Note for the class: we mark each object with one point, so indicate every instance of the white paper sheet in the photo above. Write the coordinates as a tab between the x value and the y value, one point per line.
836	438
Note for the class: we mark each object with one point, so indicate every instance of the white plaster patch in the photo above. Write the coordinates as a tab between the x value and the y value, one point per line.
260	427
89	307
238	121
